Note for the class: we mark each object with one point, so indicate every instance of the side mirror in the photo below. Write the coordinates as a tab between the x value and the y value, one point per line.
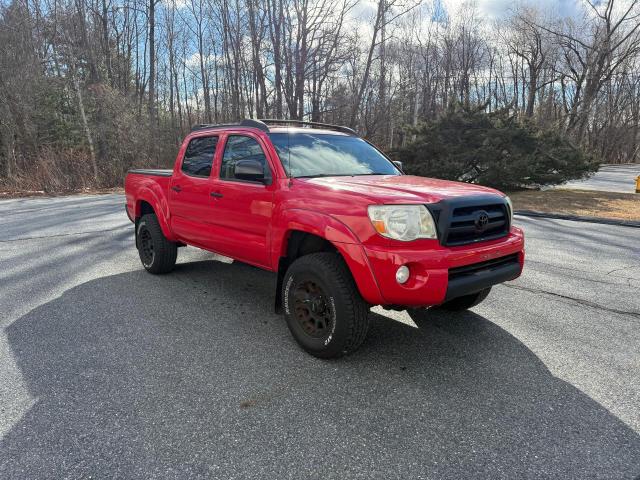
398	164
249	170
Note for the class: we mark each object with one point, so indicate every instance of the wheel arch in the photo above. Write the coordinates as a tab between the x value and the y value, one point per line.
311	232
149	202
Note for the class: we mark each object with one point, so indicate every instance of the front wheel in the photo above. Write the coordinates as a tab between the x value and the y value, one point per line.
157	254
322	306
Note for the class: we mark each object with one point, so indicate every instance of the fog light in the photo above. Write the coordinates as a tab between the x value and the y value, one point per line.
402	274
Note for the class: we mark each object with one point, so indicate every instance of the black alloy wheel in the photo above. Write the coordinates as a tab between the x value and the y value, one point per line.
146	247
312	309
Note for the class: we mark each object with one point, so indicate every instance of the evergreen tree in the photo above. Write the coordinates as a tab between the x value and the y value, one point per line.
493	149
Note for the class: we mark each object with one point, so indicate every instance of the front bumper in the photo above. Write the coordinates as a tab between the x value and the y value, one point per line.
476	277
441	273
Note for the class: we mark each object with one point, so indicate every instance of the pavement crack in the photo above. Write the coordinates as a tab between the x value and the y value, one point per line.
586	275
623	268
586	303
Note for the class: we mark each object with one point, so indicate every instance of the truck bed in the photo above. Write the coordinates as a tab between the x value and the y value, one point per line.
158	172
153	181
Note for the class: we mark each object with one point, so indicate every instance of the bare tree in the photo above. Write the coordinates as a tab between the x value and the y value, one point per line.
113	83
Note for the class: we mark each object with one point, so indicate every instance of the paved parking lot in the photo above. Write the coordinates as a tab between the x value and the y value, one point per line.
610	178
107	371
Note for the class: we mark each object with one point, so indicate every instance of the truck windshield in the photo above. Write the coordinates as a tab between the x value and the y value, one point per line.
325	155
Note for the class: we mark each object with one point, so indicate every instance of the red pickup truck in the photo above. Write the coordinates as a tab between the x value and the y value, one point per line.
340	224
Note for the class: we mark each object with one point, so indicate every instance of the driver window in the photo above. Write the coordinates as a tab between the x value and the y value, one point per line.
238	148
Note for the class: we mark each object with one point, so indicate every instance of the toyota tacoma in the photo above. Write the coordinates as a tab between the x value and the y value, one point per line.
339	223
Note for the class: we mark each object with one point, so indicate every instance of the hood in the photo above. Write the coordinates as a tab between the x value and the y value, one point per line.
401	188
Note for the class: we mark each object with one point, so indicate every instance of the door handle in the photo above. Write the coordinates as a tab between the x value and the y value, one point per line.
176	188
216	195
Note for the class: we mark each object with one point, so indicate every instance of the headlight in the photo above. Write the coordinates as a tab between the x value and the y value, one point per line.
402	222
510	206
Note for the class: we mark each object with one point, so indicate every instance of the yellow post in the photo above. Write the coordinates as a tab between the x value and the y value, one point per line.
638	184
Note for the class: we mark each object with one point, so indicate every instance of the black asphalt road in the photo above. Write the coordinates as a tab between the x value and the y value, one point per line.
109	372
609	178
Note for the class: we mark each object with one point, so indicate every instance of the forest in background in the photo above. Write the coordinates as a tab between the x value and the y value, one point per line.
89	88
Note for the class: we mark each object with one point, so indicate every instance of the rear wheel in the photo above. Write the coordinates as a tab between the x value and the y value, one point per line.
322	306
157	254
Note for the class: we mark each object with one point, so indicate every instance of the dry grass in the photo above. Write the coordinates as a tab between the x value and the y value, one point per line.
622	206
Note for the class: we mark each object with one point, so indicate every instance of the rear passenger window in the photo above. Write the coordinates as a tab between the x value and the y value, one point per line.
240	148
198	157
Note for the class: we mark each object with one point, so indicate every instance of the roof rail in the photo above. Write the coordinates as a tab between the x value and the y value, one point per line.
263	124
328	126
206	126
250	122
247	122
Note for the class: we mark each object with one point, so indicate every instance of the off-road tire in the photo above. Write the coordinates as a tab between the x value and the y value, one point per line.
347	313
465	302
162	256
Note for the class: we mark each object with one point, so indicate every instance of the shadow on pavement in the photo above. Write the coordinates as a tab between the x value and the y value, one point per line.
190	374
78	214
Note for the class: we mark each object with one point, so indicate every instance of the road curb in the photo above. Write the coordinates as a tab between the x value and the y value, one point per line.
576	218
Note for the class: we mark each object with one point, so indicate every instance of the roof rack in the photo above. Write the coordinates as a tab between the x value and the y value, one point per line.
205	126
263	124
247	122
328	126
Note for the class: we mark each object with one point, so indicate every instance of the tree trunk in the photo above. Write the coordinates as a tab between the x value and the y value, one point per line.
152	64
85	126
365	77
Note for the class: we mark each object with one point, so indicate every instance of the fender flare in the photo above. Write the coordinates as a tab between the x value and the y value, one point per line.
158	202
339	235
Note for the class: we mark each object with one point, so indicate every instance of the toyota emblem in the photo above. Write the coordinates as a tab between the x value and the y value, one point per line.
481	221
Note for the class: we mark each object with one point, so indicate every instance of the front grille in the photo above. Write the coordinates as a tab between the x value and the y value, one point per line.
464	225
489	265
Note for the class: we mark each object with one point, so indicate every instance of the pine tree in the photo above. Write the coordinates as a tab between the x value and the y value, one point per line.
493	149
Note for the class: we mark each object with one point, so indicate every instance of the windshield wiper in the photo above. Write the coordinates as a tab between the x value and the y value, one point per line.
318	175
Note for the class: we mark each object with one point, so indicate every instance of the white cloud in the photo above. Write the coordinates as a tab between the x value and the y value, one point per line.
494	9
193	61
174	4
